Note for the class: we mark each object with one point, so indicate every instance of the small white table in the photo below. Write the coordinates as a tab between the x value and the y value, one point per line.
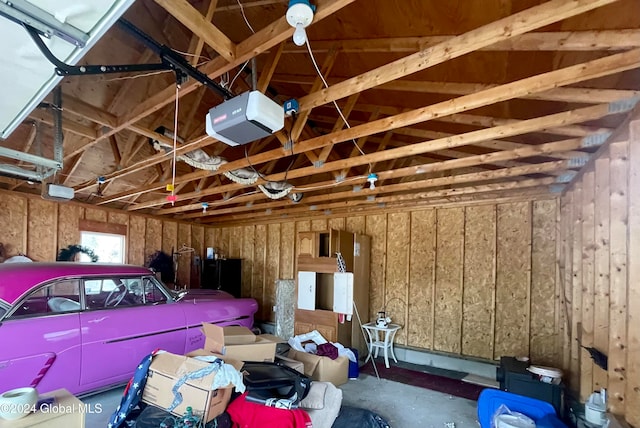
381	338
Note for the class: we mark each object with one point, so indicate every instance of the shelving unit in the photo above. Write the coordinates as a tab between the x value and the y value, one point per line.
316	259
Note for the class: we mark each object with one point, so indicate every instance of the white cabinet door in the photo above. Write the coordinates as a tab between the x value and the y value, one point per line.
307	290
343	293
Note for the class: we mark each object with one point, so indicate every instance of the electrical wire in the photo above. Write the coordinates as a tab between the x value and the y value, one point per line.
326	186
245	17
326	85
175	143
138	75
191	55
238	74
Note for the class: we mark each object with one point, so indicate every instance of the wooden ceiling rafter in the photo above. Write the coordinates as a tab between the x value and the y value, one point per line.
511	186
519	153
191	18
396	188
566	95
588	40
572	74
486	35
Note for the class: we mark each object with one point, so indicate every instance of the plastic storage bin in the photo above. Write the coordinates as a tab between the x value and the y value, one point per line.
542	413
354	368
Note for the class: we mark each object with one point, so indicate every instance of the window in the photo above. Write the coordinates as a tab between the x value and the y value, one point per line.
122	292
58	297
108	247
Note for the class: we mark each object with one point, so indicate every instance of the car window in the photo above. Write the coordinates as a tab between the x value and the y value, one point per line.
113	292
152	293
58	297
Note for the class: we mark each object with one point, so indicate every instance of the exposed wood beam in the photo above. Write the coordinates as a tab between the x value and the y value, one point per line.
254	45
596	68
191	18
503	29
433	194
448	165
248	4
68	125
595	40
576	73
71	167
402	187
568	95
326	68
269	68
340	123
115	150
487	121
197	43
87	111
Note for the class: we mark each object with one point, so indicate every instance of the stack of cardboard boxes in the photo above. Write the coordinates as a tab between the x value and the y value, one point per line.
234	345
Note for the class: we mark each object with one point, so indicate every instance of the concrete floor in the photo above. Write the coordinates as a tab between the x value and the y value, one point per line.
401	405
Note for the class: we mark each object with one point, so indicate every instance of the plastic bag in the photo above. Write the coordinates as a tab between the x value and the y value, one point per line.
505	418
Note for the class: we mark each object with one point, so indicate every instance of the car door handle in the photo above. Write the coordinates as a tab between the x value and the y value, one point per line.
97	320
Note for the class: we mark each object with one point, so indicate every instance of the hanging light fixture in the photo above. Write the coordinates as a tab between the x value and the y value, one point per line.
299	16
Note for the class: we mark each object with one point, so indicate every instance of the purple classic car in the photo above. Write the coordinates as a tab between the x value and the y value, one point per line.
86	326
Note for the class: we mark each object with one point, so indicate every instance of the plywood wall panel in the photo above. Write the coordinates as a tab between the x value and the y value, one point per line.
197	239
153	236
287	246
42	230
513	275
68	228
117	217
398	234
259	263
576	286
601	265
247	254
185	259
479	278
223	236
136	238
303	226
336	223
13	215
422	260
272	268
543	339
235	242
588	260
318	225
355	224
449	280
376	228
633	308
169	237
209	237
197	242
95	214
618	310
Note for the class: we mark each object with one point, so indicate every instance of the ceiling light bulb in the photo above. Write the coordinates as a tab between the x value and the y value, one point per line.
299	35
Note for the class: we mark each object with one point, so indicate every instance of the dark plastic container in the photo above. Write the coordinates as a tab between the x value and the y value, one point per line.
354	368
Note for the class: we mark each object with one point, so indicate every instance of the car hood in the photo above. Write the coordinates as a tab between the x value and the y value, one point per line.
203	294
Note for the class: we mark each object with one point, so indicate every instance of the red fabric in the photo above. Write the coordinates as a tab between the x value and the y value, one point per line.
245	414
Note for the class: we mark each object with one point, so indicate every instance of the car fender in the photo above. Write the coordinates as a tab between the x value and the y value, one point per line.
32	367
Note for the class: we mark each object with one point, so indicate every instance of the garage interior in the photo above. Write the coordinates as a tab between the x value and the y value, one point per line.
489	149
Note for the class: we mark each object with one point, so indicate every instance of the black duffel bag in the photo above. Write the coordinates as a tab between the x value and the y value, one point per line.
275	385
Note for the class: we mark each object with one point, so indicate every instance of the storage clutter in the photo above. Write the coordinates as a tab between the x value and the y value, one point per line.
237	378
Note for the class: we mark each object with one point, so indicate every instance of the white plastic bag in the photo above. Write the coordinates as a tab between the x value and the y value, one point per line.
505	418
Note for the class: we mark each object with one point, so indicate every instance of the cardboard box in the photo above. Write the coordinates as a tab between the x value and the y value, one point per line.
290	362
323	368
66	411
166	369
239	343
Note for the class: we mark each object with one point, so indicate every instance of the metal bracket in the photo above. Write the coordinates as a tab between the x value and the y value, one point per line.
318	164
595	139
170	61
22	12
